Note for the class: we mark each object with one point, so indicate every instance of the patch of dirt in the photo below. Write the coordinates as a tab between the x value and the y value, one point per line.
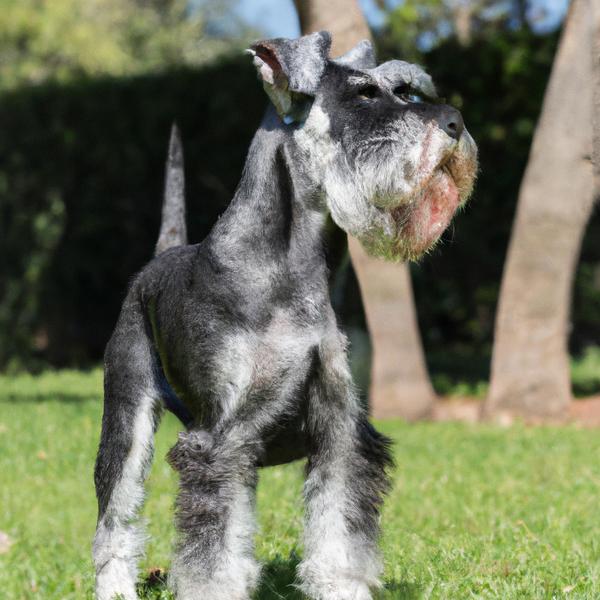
156	576
454	408
586	411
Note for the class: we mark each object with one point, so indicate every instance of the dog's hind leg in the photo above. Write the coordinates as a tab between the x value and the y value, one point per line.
344	487
132	407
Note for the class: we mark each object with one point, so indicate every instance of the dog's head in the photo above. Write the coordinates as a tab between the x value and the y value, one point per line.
393	161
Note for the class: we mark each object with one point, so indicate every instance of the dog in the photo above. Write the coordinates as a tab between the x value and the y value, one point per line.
237	335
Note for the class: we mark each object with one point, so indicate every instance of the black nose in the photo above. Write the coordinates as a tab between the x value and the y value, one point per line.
450	121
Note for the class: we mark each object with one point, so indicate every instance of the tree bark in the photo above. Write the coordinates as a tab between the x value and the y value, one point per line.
530	362
595	8
400	384
462	15
342	18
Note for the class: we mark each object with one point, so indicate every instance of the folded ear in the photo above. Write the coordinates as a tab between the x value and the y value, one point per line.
362	56
291	71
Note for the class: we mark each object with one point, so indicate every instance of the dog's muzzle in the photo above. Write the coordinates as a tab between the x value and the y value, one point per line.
415	221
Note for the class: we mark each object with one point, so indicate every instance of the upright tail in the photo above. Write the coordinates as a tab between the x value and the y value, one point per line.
173	230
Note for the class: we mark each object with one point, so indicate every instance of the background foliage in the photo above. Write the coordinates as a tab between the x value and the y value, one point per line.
85	109
65	39
82	179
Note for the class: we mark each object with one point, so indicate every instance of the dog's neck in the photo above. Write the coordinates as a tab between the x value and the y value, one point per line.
276	211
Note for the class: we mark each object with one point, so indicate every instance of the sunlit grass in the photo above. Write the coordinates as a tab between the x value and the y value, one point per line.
475	511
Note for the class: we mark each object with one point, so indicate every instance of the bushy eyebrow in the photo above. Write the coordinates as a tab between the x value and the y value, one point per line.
395	72
413	76
422	85
361	80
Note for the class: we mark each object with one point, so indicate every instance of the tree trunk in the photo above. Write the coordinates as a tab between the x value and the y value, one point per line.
595	6
462	15
342	18
530	362
400	384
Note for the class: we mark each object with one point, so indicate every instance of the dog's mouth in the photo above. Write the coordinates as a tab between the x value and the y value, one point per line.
423	221
420	219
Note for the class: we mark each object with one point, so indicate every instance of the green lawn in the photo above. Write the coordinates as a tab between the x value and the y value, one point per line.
475	512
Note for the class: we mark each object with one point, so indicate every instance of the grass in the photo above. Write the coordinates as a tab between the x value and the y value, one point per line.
475	512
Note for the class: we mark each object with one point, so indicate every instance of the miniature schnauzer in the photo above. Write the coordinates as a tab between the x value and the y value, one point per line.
237	335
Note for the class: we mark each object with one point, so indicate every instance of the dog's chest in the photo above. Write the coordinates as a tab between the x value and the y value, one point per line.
272	363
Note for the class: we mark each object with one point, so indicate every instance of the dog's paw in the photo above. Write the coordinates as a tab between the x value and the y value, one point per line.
114	581
236	582
347	590
320	582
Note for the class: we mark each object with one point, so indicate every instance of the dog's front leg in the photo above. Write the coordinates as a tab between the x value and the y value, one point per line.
215	516
344	487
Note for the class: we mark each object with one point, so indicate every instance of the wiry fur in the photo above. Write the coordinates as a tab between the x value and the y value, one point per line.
386	160
238	337
215	515
124	459
345	484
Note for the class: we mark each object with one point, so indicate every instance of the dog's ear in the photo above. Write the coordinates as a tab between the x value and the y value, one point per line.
362	56
291	71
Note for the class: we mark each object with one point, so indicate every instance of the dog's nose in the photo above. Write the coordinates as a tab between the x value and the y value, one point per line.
451	121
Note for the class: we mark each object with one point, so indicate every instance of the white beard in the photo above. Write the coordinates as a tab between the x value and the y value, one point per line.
390	171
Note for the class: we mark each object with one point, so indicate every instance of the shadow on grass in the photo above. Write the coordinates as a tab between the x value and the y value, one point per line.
400	590
277	583
40	397
278	578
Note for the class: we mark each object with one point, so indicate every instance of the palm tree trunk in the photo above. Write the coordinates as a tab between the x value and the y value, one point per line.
400	384
530	362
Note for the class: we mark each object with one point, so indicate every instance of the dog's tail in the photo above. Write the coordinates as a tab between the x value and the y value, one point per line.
173	230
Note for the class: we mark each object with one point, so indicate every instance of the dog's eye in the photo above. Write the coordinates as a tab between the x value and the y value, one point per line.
407	93
368	92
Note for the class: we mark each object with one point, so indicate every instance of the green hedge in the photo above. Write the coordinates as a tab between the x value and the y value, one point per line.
81	178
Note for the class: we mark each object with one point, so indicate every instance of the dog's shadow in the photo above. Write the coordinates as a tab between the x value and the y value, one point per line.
279	577
277	583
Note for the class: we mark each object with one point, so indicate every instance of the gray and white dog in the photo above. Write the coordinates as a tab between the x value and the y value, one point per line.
237	334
